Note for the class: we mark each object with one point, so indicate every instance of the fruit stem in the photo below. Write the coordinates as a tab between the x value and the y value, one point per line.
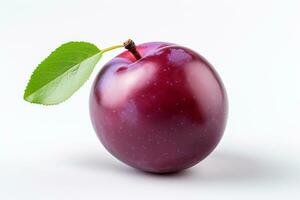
130	46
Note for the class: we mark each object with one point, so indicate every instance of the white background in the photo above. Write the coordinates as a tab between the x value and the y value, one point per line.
53	153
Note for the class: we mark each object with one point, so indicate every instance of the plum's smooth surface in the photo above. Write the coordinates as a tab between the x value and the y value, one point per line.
162	113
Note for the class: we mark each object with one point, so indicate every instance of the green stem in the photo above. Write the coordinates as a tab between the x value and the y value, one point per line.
129	45
111	48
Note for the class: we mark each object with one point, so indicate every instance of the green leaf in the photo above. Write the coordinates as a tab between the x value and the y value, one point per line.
62	73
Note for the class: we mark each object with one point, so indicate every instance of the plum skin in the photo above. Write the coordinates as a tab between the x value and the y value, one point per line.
163	113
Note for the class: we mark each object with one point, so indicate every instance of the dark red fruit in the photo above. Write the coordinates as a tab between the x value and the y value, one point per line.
162	113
